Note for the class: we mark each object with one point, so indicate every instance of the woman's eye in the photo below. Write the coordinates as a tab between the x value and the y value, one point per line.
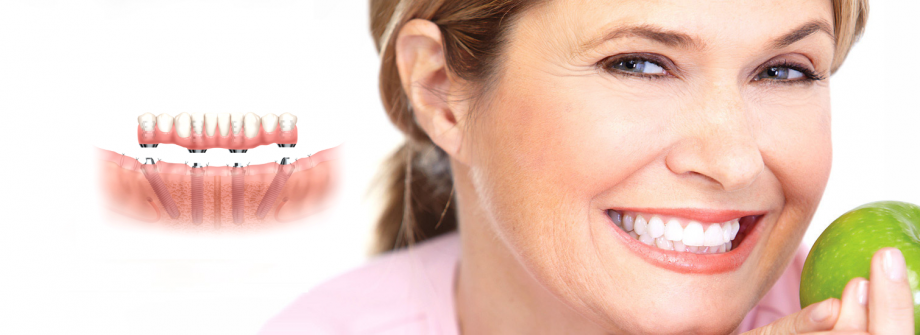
779	73
637	66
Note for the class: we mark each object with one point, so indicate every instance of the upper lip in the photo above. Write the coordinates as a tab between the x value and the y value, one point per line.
702	215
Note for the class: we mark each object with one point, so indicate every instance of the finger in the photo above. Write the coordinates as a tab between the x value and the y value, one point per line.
814	318
853	313
891	307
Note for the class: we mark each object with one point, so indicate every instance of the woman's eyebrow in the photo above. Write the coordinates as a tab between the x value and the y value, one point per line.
676	39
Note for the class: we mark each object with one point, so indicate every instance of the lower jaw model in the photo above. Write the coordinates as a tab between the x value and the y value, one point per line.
216	197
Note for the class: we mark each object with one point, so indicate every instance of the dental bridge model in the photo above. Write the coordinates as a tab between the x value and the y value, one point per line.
198	132
196	194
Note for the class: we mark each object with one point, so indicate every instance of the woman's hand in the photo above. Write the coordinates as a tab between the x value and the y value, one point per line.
882	305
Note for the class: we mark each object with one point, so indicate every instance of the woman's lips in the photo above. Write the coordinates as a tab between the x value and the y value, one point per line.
687	262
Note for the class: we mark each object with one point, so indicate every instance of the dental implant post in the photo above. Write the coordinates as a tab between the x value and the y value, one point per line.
197	185
159	187
281	177
237	183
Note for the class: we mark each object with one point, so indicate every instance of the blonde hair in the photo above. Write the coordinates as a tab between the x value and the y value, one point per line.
419	184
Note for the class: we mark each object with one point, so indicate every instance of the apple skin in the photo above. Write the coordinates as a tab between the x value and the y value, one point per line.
844	250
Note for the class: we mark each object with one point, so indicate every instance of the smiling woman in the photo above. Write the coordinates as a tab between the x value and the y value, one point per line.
610	167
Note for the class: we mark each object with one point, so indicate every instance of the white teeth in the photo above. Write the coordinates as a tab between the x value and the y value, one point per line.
641	226
673	231
655	227
210	123
252	123
236	123
183	125
663	243
147	121
628	222
270	122
713	236
287	121
164	122
646	239
696	237
198	123
223	122
693	234
679	246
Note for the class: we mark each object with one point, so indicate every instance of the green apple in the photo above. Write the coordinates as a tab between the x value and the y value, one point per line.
844	250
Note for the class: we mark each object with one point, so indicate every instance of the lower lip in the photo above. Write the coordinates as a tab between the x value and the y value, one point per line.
686	262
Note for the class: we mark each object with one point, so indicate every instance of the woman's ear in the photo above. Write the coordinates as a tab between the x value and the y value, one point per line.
428	85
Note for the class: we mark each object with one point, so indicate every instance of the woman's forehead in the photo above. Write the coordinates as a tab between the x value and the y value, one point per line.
699	24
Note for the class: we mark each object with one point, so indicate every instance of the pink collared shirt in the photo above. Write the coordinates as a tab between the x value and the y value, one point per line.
410	292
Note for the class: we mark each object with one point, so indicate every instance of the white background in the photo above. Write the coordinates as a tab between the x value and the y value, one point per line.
75	74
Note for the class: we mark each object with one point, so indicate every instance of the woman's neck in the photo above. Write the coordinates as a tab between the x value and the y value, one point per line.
494	294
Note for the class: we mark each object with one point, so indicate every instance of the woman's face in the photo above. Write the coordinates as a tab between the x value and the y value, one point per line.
696	112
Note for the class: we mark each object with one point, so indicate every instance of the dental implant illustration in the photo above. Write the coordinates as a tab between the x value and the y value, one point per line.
199	132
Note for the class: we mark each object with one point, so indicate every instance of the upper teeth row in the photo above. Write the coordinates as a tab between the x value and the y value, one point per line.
693	235
209	122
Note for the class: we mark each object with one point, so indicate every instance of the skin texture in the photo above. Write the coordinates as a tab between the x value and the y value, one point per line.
558	140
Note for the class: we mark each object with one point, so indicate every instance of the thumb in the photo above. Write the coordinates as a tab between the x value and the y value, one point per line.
814	318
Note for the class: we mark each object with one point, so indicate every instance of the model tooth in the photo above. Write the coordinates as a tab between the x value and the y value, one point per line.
223	122
634	235
287	121
727	232
641	226
165	122
728	246
270	122
236	123
673	231
735	227
663	243
693	234
210	123
198	123
679	246
655	227
251	123
713	236
147	121
628	222
183	125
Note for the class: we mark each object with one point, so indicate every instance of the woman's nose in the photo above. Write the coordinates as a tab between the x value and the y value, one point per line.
717	140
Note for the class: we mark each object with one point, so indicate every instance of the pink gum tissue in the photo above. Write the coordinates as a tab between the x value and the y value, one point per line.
200	141
130	163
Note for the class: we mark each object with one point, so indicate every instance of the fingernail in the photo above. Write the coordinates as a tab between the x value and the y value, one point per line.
822	311
893	264
862	292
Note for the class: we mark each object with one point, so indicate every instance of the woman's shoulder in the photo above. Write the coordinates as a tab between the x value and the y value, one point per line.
398	291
